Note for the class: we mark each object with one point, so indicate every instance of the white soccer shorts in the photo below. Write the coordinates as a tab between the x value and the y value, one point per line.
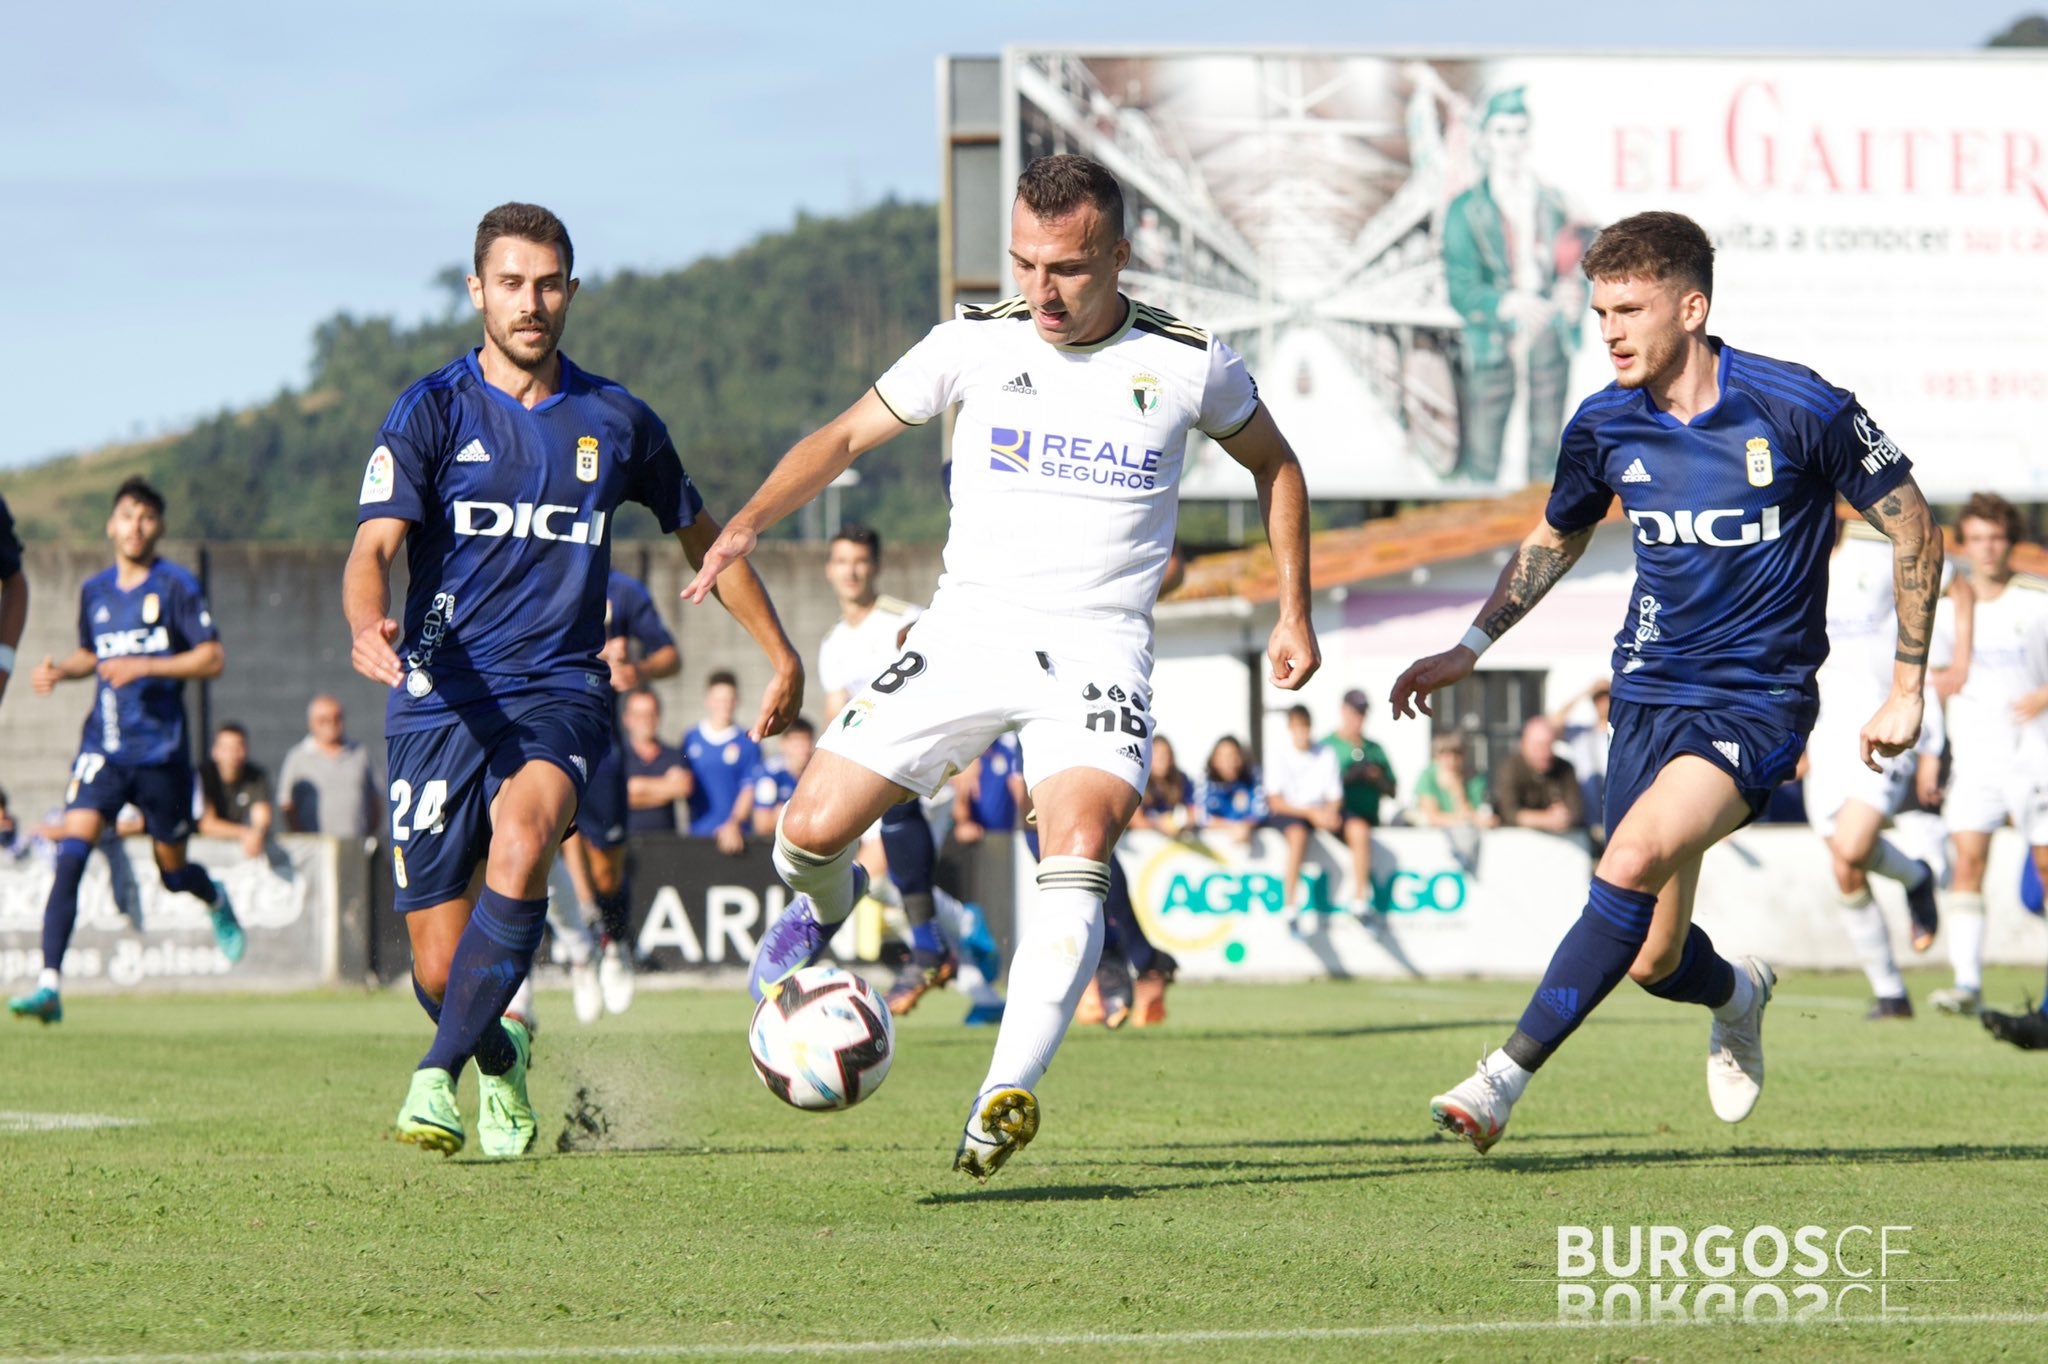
1835	775
945	699
1982	798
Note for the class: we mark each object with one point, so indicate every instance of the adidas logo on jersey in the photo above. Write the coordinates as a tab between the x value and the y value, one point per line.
1730	750
102	616
1021	384
1635	473
473	453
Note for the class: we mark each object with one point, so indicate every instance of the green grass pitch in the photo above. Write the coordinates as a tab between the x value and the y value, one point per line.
1256	1180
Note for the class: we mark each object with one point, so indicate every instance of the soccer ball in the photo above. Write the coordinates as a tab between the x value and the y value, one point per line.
822	1039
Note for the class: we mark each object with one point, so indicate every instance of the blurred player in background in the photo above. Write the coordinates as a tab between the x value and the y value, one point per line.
499	475
1728	465
599	941
1998	734
13	595
143	631
1849	805
1067	452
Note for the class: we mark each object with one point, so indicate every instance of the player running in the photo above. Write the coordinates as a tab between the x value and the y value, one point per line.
1849	805
143	630
1727	465
1998	734
1076	403
499	475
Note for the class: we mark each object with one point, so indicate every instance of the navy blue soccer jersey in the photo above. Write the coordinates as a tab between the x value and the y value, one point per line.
510	550
1734	519
143	723
10	543
629	614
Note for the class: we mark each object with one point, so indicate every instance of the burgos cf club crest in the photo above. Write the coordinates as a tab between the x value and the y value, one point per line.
1759	462
1145	393
586	458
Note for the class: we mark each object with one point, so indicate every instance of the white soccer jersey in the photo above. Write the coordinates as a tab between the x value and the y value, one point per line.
1066	466
2008	659
852	655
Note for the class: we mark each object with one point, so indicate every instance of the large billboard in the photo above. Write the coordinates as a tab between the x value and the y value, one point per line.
1393	241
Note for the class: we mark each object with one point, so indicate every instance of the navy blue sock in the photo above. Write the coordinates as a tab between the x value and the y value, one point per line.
907	838
1121	920
190	879
427	1001
1593	958
60	911
611	912
491	958
495	1052
1703	976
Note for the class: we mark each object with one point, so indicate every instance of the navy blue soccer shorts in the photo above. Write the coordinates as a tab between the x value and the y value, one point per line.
1757	751
601	818
162	791
443	781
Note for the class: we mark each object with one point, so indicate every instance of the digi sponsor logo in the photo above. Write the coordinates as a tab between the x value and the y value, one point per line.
528	520
1073	459
127	643
1669	1275
1687	527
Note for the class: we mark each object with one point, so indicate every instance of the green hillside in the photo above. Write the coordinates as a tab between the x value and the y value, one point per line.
739	354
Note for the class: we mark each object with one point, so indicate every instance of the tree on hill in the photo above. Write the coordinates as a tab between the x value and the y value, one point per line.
2029	30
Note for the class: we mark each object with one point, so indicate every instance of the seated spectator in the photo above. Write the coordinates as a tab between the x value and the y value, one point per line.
234	793
1232	802
1536	789
656	774
1447	797
325	784
1368	779
1168	806
1582	740
776	778
1303	792
989	794
721	758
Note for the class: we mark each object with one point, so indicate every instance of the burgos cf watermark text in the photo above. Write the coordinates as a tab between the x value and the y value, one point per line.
1762	1274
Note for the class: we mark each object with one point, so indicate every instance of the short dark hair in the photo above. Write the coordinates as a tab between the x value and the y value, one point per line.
139	488
722	678
802	726
528	222
1995	509
1300	713
235	727
1054	186
1655	245
854	533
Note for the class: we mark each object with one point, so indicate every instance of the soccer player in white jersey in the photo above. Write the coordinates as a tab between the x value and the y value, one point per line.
1998	736
1076	403
1849	805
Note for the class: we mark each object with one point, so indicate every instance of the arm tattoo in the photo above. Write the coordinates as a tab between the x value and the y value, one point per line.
1533	571
1902	516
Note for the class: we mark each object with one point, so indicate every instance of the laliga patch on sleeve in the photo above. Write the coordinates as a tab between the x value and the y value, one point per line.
378	478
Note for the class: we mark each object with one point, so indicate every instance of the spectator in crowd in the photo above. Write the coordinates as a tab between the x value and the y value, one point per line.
1231	799
775	779
234	793
721	758
1536	789
657	776
1450	798
13	839
1582	740
989	794
1368	779
1168	806
1304	792
325	784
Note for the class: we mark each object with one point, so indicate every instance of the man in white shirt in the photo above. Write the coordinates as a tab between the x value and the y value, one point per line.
1076	404
1304	791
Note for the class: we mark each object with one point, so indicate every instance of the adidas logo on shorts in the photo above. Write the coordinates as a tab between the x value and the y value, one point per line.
1730	750
473	453
1021	384
1635	473
1131	751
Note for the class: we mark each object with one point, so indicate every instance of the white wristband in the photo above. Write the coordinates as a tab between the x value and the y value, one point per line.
1477	640
7	659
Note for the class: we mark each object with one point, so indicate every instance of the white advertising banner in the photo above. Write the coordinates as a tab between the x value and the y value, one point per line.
1393	242
1439	910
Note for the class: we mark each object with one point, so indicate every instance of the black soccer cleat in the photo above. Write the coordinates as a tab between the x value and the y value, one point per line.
2027	1031
1890	1006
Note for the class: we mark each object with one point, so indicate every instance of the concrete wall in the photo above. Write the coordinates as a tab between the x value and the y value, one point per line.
278	608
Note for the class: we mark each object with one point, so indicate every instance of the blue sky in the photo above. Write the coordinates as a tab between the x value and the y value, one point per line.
189	189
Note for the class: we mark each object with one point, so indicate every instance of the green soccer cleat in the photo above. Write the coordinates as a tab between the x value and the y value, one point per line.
43	1004
505	1125
227	929
429	1119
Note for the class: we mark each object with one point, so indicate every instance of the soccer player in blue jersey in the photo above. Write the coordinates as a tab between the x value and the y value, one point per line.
1727	465
499	475
595	857
143	630
722	760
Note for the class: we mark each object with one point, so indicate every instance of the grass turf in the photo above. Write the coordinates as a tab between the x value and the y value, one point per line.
1255	1180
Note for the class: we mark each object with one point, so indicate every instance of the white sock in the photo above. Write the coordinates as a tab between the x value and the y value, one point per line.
1964	921
521	1006
1508	1076
826	877
1056	956
1893	864
1873	944
48	980
1740	998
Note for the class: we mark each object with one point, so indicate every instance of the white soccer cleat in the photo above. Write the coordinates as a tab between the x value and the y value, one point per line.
615	978
1003	1122
1735	1052
587	991
1476	1110
1955	1000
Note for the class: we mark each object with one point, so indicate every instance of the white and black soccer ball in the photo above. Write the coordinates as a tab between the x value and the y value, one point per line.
822	1039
